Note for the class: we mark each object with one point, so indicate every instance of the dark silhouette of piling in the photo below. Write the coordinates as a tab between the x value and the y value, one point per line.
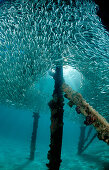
56	128
34	135
83	139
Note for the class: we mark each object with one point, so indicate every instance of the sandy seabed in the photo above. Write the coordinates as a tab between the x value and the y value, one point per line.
14	156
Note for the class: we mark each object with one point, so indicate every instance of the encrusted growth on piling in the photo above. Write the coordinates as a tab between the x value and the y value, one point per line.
56	128
92	116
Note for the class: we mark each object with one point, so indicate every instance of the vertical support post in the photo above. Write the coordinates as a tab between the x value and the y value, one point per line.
56	107
81	139
34	134
82	146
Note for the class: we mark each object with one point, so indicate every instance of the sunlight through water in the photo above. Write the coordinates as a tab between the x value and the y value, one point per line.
34	36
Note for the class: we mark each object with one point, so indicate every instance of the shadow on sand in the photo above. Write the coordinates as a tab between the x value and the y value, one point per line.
103	164
24	165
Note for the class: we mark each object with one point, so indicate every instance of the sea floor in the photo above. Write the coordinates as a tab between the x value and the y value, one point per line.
15	136
14	156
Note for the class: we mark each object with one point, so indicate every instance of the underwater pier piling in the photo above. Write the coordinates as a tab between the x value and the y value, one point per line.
56	128
92	116
34	135
82	146
81	139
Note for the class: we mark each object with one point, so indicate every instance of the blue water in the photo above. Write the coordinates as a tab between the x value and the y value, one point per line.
15	135
34	38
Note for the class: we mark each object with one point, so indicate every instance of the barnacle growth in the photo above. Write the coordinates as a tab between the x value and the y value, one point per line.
92	116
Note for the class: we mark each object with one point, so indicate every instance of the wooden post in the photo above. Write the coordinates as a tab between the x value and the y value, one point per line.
34	134
81	139
82	146
92	116
56	128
